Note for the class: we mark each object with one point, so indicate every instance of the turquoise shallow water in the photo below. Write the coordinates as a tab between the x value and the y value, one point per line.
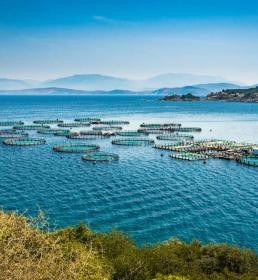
152	198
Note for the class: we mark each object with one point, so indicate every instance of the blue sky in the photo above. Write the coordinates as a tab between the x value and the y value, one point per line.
41	39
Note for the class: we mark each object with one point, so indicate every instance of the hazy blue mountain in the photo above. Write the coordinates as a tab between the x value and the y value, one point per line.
218	86
182	79
89	82
12	84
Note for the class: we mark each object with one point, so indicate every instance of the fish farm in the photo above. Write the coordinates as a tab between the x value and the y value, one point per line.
174	137
75	124
132	133
24	142
182	146
11	123
100	156
133	142
53	131
31	127
57	121
113	122
76	148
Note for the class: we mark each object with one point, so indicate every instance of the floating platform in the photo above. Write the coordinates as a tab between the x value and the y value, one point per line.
132	133
8	135
53	131
24	142
188	156
188	129
31	127
175	137
76	148
107	128
100	157
133	142
11	123
249	160
57	121
90	120
75	124
114	122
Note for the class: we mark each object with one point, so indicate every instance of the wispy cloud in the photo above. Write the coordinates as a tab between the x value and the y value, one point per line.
105	19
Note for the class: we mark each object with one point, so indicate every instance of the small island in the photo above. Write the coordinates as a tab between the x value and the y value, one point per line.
184	97
230	95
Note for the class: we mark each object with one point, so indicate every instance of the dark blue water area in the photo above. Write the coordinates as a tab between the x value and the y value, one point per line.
149	197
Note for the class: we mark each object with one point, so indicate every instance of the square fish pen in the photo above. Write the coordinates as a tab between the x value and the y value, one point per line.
24	142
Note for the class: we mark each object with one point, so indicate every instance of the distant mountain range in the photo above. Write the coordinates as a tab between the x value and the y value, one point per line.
92	82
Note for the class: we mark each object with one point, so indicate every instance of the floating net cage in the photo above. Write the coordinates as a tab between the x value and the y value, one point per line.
57	121
107	128
80	136
100	157
189	156
24	142
75	124
175	137
76	148
152	131
188	129
8	135
160	125
53	131
90	120
31	127
249	160
132	133
114	122
133	142
177	146
7	130
63	133
11	123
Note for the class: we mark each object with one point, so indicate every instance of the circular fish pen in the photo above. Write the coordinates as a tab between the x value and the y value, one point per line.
100	157
75	124
62	133
90	120
249	160
114	122
189	156
133	142
53	131
107	128
76	148
189	129
13	135
11	123
24	142
152	131
160	125
31	127
57	121
175	137
79	136
132	133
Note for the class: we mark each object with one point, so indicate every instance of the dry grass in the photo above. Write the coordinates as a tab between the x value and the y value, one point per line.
27	252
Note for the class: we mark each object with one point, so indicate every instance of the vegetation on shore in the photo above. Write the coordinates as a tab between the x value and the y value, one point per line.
242	95
28	251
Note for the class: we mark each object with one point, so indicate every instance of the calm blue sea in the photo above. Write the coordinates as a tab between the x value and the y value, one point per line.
152	198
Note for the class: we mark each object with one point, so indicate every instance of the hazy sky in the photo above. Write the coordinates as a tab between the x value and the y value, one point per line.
41	39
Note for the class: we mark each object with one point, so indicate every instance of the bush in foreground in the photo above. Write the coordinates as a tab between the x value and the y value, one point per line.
28	252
